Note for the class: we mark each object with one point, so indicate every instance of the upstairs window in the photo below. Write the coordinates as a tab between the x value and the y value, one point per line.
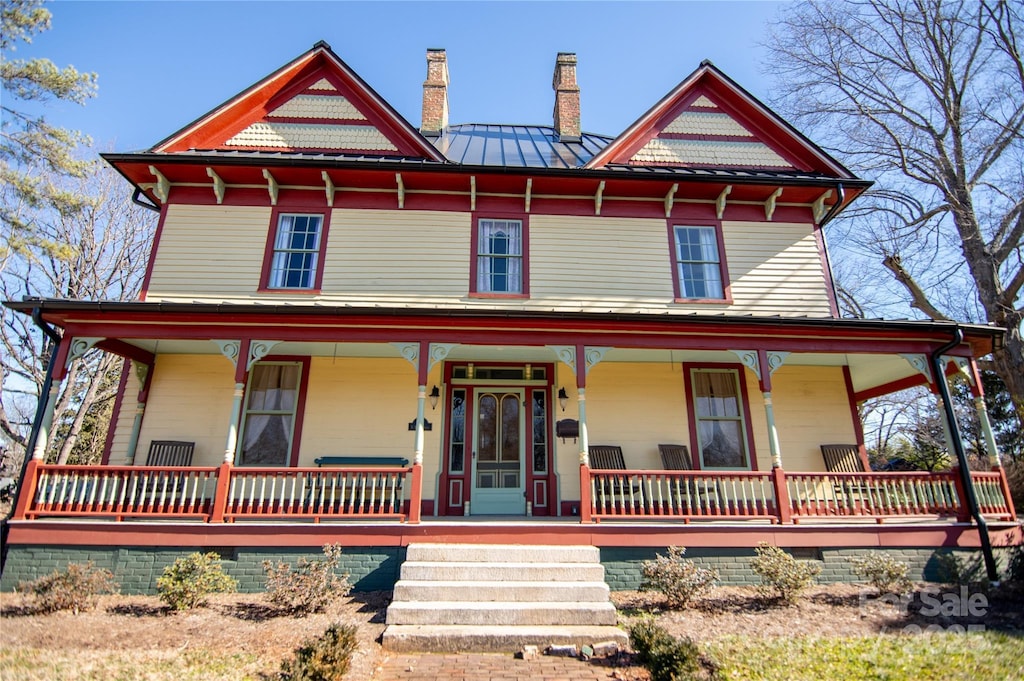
296	252
499	257
698	263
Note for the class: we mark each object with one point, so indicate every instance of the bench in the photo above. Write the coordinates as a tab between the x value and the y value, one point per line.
396	461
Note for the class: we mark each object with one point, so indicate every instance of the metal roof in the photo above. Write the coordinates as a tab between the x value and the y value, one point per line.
516	146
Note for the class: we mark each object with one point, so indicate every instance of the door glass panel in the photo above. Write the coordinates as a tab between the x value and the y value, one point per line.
458	434
487	428
540	432
510	428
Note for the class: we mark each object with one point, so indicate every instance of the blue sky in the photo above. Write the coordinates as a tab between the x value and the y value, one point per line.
162	64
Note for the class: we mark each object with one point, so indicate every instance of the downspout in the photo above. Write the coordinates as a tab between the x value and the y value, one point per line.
33	435
961	456
145	204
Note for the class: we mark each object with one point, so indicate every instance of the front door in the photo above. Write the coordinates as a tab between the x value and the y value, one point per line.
498	455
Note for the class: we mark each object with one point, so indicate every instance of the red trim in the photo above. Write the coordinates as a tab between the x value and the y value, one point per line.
858	427
826	269
318	121
723	265
116	411
902	384
268	252
304	534
474	245
702	137
148	276
300	404
691	411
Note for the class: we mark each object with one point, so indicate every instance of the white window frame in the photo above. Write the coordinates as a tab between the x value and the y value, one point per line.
707	265
284	250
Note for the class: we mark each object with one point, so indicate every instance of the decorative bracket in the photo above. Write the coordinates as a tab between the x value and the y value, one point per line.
963	365
670	199
472	192
401	190
920	363
769	205
411	352
720	201
163	185
272	187
775	360
229	348
565	354
438	353
218	184
599	198
593	356
81	345
329	188
749	359
818	207
529	193
258	349
141	371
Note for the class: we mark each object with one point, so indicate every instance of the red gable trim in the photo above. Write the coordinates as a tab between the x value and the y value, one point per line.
254	103
732	99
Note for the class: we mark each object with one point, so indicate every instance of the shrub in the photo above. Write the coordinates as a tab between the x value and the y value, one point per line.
679	579
74	588
666	657
309	585
781	574
325	658
883	572
186	584
1015	565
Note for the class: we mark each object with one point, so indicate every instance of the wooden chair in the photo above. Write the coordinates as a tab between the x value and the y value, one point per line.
170	453
675	457
842	458
607	457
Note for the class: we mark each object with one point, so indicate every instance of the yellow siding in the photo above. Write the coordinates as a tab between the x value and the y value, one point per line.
422	259
775	269
408	254
210	250
123	420
614	261
362	407
190	399
811	409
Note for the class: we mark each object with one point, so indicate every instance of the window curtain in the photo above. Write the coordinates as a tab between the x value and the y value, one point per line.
273	389
718	420
500	262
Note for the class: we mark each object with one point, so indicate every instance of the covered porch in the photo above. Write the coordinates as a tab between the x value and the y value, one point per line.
313	414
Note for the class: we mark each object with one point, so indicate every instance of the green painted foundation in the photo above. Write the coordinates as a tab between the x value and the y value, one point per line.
377	568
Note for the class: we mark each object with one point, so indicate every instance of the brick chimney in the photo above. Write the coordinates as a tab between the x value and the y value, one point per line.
567	98
435	94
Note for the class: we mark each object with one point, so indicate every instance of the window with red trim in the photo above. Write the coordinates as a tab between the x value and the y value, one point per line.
294	259
720	415
697	258
271	408
500	262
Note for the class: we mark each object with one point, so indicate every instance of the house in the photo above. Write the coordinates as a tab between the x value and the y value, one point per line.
362	331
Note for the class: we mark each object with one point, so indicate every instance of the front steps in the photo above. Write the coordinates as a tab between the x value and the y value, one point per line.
499	598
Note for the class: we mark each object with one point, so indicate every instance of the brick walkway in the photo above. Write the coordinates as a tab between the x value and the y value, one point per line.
490	667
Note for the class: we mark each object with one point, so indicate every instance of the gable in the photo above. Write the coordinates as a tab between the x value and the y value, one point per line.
708	121
314	104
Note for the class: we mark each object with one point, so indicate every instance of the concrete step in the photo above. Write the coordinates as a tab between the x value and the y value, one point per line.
544	591
494	639
501	571
506	613
499	553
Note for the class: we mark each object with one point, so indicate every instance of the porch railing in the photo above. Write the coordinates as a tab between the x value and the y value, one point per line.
783	497
221	494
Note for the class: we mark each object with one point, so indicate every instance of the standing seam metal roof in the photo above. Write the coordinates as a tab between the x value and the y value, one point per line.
516	146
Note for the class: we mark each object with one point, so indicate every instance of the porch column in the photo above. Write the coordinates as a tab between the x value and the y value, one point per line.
421	400
144	372
986	431
233	423
581	400
763	364
46	423
238	353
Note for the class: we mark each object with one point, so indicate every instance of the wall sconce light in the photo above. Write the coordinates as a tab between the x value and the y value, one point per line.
563	398
434	395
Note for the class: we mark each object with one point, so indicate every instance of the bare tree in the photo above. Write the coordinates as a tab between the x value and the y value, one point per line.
91	244
925	97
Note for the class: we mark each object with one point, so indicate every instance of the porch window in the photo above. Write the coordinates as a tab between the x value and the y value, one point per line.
267	429
719	413
499	248
296	252
457	419
698	263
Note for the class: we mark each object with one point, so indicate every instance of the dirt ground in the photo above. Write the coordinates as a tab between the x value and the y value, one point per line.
243	622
